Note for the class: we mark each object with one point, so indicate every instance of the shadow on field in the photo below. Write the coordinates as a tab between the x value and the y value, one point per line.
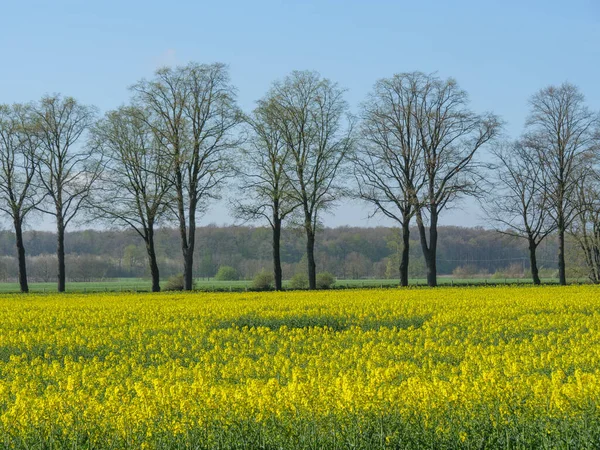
334	323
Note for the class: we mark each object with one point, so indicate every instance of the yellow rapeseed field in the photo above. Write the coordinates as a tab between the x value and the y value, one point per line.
447	368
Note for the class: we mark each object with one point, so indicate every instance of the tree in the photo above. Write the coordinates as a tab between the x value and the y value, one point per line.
68	168
310	112
227	273
585	227
192	112
134	185
560	131
389	167
449	136
264	186
519	203
207	267
19	156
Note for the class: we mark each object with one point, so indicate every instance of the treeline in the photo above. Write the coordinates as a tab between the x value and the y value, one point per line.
413	149
346	252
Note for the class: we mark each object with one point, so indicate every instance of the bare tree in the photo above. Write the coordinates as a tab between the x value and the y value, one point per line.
388	165
560	131
134	185
264	187
585	227
19	154
68	168
519	203
310	112
449	135
192	111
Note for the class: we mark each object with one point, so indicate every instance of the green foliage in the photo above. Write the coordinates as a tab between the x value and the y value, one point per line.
391	269
227	273
417	267
263	281
325	280
175	283
299	281
206	266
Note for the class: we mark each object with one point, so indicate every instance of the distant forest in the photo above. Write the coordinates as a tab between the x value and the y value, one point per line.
346	252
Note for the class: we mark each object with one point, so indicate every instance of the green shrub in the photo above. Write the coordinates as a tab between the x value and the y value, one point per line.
325	280
227	273
498	275
263	281
299	281
175	283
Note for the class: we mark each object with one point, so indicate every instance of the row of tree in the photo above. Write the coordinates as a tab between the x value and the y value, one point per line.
413	150
547	181
347	253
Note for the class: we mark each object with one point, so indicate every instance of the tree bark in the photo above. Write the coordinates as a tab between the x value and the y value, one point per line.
186	244
187	233
278	276
310	256
533	263
188	263
188	266
21	255
562	275
405	252
433	238
60	252
429	250
154	273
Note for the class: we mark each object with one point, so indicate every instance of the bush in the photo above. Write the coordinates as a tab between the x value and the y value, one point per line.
515	270
299	281
263	281
467	271
175	283
547	272
227	273
498	275
325	280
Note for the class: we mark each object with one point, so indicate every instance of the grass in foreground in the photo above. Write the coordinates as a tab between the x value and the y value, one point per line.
144	285
454	368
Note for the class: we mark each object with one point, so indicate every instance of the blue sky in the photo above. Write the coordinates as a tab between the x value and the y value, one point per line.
501	52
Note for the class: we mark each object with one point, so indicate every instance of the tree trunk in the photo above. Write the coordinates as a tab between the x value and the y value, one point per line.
60	252
433	238
21	255
187	243
562	275
423	241
533	263
187	249
310	256
277	254
188	266
429	251
405	252
154	273
188	263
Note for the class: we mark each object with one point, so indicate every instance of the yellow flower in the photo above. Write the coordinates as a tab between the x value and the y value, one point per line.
138	370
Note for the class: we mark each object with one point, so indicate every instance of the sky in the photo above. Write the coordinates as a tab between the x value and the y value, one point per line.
500	51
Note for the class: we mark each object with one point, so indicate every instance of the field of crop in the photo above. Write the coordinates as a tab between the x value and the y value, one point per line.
509	367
